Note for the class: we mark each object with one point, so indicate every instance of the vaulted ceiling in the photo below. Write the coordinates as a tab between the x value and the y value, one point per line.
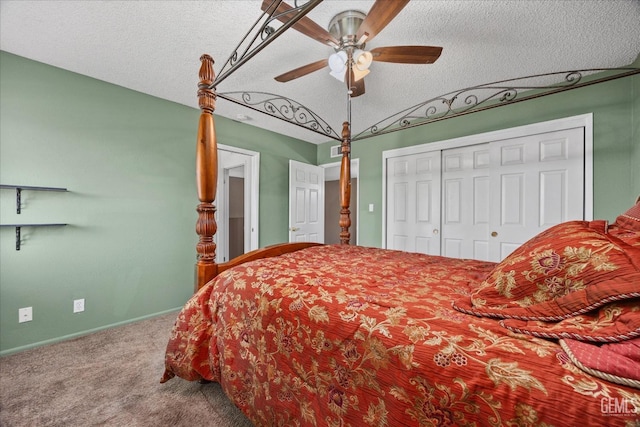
154	47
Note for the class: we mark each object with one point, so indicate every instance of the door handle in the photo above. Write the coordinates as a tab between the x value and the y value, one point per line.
494	233
435	231
294	229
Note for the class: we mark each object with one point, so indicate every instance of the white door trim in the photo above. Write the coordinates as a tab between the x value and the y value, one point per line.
584	120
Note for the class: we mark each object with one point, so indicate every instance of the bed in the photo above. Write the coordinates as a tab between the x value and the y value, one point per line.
347	335
343	335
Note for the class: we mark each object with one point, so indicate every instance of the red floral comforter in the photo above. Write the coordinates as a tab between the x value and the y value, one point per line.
353	336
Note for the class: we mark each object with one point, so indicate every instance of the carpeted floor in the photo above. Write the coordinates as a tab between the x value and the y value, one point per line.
109	378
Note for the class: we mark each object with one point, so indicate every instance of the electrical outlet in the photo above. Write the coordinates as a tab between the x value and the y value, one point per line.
78	305
25	314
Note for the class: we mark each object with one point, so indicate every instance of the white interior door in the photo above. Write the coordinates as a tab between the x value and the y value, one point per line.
413	203
306	202
245	164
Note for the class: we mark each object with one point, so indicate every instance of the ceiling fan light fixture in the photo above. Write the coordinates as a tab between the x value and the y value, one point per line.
338	65
338	75
362	59
359	74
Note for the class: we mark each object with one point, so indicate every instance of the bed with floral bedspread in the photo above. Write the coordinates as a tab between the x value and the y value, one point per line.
342	335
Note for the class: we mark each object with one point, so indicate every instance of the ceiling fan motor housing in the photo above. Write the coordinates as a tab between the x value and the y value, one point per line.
344	27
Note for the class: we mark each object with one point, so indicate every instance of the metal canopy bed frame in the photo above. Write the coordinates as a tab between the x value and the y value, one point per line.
264	31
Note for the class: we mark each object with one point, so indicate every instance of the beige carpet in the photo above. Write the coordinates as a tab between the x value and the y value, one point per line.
109	378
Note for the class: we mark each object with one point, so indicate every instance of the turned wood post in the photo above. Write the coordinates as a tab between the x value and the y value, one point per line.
206	175
345	185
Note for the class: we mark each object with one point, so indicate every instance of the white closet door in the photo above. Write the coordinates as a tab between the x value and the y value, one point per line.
538	182
466	202
484	200
413	203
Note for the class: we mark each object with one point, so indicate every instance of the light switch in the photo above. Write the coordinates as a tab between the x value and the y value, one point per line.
370	207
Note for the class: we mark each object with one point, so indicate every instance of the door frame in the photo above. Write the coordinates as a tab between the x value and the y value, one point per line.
584	121
252	196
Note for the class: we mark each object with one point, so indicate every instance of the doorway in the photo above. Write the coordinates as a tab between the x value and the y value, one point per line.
237	202
332	202
237	218
314	202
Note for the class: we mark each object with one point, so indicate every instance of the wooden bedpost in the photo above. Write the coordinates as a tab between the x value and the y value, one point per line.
206	175
345	185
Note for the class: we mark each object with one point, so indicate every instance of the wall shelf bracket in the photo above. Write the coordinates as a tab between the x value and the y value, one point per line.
18	227
19	230
19	189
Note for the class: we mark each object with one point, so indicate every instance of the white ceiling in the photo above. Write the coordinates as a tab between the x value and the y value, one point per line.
154	47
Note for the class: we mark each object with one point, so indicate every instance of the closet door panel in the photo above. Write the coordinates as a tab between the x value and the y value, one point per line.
553	197
453	201
541	183
466	201
413	203
512	199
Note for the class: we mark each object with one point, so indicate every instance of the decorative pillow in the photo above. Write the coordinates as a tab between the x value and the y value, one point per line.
629	220
613	322
630	237
568	269
627	226
615	362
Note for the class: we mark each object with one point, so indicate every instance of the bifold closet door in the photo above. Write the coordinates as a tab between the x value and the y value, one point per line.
538	182
483	200
413	203
498	195
466	202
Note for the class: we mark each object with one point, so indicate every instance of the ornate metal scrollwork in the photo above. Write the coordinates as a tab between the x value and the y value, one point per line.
485	96
282	108
263	32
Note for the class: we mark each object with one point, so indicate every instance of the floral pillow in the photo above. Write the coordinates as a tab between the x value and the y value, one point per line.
566	270
627	226
613	322
630	220
615	362
630	237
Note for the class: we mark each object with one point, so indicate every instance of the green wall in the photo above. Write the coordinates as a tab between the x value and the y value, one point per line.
128	161
616	120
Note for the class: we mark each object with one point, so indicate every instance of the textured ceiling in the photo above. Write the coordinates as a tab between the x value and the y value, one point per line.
154	47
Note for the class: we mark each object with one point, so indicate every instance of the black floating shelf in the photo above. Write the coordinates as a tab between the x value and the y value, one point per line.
19	189
19	226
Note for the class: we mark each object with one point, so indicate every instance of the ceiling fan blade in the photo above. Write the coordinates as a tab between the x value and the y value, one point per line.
382	12
407	54
305	25
357	87
302	71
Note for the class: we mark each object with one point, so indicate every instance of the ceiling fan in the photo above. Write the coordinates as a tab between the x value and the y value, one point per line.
348	33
